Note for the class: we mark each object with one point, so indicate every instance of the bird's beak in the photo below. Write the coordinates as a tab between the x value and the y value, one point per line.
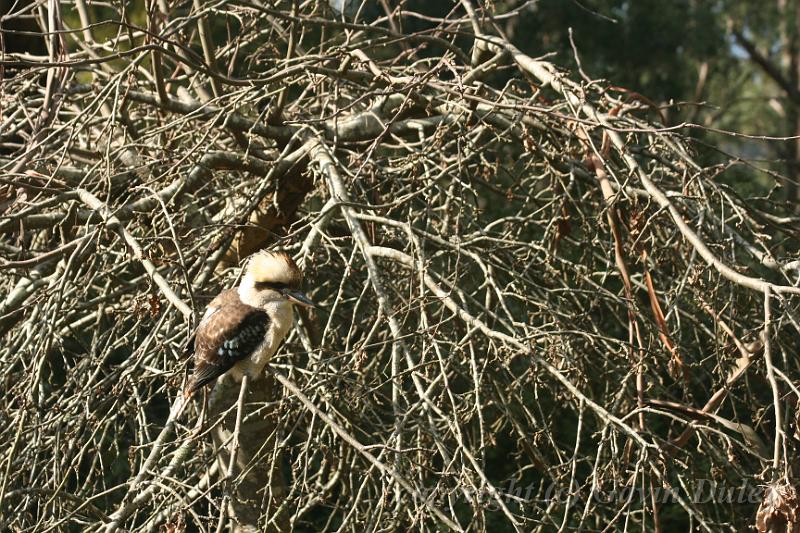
299	298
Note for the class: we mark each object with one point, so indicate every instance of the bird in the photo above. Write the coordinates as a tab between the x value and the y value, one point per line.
348	8
243	327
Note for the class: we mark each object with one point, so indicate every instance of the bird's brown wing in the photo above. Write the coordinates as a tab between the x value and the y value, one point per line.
225	298
228	333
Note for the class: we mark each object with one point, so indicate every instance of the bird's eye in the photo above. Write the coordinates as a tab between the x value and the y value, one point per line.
261	285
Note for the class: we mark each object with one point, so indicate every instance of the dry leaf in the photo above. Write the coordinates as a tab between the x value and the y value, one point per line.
780	510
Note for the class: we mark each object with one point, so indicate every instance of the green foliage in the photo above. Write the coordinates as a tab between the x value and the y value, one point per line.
648	46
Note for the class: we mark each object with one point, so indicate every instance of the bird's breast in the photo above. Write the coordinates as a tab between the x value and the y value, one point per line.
281	320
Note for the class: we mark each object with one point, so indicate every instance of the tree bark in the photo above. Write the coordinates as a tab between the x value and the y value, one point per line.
256	486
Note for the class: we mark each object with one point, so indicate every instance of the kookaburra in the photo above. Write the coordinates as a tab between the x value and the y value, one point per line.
243	327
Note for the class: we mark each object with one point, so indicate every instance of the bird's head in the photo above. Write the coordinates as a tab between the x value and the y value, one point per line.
272	277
